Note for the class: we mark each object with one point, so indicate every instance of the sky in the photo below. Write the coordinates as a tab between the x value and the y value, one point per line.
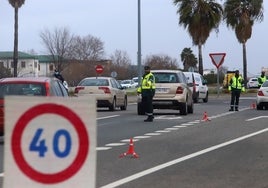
115	22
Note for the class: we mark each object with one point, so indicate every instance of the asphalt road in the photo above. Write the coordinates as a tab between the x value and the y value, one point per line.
228	150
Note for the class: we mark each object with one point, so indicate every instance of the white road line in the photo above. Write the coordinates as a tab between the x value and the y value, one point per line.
103	148
259	117
1	174
163	131
141	137
152	134
172	128
173	162
115	144
106	117
179	126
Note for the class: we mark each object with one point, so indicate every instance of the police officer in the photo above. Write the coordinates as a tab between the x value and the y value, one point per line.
236	85
261	79
147	91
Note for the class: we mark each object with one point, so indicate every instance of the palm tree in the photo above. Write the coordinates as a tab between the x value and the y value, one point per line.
240	16
16	4
188	59
199	17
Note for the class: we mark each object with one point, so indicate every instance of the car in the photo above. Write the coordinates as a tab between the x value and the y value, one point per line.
109	93
29	86
127	84
262	97
253	83
136	81
198	85
171	92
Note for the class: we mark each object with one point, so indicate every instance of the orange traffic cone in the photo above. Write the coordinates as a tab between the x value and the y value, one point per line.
253	105
130	150
205	117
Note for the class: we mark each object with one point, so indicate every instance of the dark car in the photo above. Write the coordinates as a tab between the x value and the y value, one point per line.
29	86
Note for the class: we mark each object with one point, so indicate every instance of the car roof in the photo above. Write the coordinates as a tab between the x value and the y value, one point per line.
25	79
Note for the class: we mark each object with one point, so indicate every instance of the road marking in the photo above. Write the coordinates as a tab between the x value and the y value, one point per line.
106	117
115	144
140	137
103	148
179	160
152	134
259	117
163	131
1	174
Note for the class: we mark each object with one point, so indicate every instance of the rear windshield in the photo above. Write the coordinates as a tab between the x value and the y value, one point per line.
22	89
166	78
94	82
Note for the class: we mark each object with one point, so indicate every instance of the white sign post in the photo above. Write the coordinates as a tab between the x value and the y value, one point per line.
50	142
217	60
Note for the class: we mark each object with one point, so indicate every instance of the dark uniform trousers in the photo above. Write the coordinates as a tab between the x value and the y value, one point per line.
235	95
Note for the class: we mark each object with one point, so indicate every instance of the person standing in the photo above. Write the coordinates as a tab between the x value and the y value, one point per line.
261	79
236	85
147	91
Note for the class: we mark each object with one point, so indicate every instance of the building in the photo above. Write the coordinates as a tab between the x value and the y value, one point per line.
28	65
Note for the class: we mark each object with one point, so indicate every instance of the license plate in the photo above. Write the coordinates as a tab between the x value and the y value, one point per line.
161	90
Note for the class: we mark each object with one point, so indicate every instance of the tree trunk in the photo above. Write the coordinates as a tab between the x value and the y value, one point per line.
245	64
200	59
15	53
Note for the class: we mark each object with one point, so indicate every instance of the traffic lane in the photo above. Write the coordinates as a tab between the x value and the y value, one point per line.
241	164
159	149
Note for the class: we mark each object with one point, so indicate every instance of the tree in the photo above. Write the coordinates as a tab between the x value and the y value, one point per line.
16	4
188	59
161	62
58	45
199	17
121	64
87	48
240	16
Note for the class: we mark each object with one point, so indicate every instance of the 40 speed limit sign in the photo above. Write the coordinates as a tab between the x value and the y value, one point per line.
50	142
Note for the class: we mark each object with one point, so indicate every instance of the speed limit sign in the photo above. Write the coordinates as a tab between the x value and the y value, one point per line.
50	142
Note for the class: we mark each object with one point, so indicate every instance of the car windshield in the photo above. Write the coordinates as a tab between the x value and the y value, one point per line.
126	82
22	89
265	84
94	82
165	78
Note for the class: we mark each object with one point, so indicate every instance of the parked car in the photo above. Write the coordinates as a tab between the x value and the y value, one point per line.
28	86
109	93
171	92
262	97
253	83
136	81
198	86
127	84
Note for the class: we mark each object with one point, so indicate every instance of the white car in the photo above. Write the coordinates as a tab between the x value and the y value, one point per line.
198	85
127	84
262	97
109	93
171	92
253	83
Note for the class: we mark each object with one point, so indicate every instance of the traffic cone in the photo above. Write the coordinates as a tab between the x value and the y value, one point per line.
130	150
205	117
253	105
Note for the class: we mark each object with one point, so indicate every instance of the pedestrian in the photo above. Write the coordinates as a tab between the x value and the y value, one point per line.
261	79
236	85
147	91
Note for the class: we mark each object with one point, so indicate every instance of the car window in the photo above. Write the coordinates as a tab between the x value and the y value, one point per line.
115	84
164	77
55	88
94	82
63	89
265	84
22	89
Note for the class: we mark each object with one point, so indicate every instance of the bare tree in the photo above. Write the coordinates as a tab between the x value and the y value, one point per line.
161	62
121	64
57	44
87	48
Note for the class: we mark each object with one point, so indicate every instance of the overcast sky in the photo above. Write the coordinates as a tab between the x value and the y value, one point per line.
115	23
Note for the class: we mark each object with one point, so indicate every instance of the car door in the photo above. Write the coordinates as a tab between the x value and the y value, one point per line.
201	86
119	92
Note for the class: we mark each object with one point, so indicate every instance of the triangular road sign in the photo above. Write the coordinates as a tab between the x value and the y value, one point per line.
217	58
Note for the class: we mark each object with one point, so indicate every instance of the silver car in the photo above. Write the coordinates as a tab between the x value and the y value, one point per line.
262	97
109	93
171	92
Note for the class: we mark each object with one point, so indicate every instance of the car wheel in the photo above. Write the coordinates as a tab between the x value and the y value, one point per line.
113	105
206	99
124	107
259	107
140	110
183	109
191	108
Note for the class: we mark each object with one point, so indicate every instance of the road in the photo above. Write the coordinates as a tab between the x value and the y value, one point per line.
228	150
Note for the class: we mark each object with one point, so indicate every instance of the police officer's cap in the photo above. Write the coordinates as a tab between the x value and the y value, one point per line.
147	68
237	71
